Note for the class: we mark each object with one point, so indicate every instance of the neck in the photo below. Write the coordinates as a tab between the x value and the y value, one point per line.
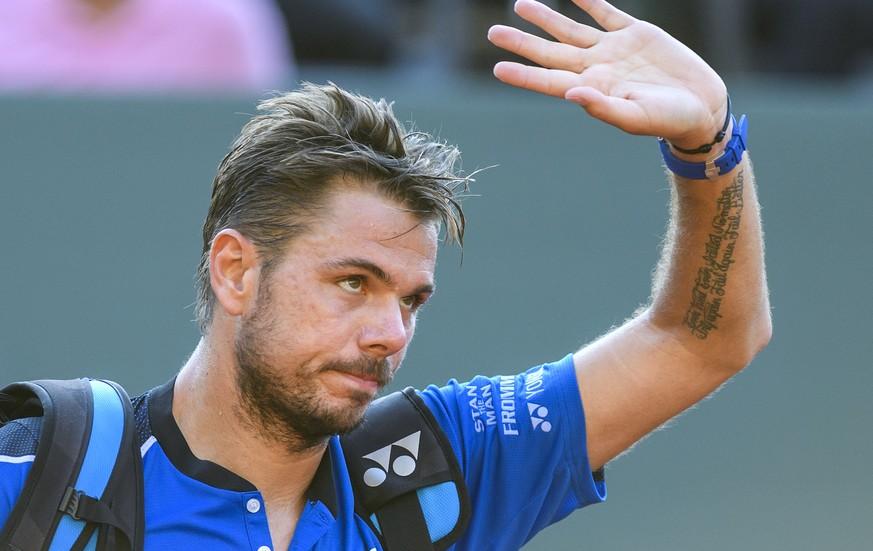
206	405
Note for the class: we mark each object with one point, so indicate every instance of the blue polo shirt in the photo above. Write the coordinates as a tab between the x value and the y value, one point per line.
520	442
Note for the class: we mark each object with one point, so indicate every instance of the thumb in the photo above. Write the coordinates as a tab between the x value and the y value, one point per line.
618	112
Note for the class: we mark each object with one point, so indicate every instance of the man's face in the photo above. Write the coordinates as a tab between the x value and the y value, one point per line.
333	319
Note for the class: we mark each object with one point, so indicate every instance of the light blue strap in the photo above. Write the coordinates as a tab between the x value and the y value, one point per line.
103	446
440	507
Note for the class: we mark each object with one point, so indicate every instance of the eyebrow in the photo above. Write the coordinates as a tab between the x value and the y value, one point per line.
375	270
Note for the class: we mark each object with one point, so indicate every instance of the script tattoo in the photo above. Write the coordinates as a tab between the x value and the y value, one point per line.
709	286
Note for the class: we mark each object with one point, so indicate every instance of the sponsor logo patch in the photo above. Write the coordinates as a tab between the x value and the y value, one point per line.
481	401
538	415
402	465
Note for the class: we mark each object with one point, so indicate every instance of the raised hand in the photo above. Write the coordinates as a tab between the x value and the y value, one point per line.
630	74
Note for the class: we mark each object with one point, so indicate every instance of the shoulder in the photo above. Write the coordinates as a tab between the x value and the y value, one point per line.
19	439
520	440
18	442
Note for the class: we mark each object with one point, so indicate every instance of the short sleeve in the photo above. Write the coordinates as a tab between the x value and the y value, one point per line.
520	440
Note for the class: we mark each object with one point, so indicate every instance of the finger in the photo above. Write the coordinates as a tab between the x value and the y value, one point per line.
545	81
619	112
559	26
543	52
607	16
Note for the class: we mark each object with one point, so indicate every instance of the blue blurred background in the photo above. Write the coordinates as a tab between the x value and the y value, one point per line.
104	186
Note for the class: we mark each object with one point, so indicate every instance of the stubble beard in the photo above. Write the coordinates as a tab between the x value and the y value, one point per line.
288	408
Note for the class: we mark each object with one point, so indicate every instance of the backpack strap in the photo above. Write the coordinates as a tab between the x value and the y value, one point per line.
406	478
88	447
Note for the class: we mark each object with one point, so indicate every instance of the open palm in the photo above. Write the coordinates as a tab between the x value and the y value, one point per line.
631	74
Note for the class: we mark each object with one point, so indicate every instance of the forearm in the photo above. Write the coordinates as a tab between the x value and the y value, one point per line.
710	288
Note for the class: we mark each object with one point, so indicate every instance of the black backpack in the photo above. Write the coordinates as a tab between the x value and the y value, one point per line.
88	447
407	482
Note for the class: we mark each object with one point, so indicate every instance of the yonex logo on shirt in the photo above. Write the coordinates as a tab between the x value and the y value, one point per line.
538	415
403	465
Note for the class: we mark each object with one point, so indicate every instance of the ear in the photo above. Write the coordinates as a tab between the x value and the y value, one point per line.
233	271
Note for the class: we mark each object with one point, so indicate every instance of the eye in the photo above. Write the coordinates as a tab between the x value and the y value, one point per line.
352	284
412	302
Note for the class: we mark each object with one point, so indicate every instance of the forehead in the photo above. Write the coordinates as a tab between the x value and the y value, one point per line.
357	222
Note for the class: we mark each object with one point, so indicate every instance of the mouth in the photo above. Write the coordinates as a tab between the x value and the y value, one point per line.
351	386
363	376
358	381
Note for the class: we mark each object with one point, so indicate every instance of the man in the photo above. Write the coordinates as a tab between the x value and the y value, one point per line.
319	249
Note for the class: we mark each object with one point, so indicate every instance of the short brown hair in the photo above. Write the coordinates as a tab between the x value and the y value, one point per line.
286	161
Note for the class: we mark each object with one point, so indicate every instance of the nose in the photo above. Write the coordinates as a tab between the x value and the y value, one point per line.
385	333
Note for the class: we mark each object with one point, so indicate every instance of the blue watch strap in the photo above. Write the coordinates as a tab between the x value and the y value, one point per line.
726	162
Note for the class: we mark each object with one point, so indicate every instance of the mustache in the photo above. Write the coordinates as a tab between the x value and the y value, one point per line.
364	367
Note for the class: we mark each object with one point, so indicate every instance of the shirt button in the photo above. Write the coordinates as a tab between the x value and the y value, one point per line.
253	506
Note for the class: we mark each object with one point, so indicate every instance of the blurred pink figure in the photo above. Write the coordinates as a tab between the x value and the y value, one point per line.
143	46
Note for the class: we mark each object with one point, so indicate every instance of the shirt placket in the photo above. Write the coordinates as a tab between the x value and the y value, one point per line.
256	522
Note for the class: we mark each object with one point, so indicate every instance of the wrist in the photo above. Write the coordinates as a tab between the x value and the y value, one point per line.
713	164
712	142
714	152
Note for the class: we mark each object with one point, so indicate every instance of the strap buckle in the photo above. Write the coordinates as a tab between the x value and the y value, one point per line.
712	170
70	502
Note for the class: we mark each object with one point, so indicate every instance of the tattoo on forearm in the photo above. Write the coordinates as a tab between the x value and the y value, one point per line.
709	286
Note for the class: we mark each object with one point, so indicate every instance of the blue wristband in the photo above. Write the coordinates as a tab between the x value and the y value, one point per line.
730	158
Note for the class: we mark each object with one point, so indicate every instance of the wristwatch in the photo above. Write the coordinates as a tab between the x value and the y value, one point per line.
711	169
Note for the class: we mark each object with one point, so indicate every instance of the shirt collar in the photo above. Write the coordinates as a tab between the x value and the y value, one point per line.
168	434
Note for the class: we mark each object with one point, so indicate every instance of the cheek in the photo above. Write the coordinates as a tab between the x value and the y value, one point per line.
304	307
294	329
325	326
